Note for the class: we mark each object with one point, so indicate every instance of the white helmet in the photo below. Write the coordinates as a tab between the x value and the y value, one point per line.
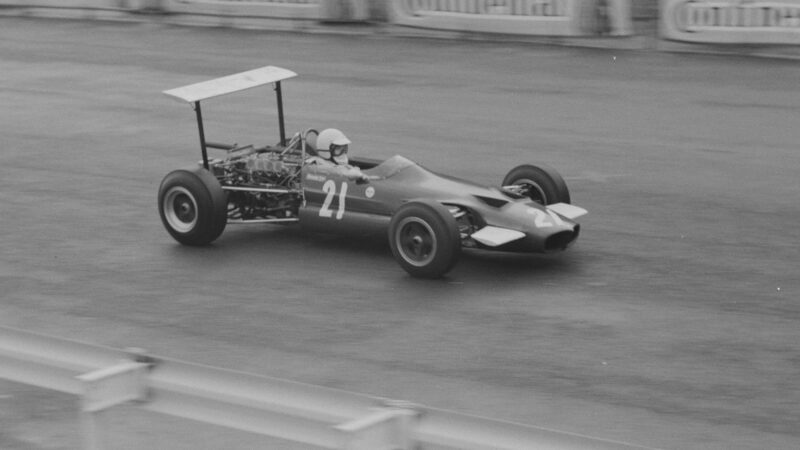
335	143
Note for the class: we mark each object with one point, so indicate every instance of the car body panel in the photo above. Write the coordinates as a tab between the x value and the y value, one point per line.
336	203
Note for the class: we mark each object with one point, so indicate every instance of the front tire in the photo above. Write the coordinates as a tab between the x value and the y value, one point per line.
192	206
424	238
541	183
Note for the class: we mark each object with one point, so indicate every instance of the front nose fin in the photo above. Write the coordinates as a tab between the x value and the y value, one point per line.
496	236
571	212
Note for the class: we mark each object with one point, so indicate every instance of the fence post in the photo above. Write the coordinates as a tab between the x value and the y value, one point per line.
144	6
345	10
105	388
386	429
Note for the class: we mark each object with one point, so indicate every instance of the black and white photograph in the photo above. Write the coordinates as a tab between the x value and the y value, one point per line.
399	224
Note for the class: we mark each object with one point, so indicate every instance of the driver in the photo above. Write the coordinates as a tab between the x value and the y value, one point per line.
332	146
335	144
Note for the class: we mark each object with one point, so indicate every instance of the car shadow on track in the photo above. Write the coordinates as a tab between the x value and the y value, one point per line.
294	238
481	263
294	245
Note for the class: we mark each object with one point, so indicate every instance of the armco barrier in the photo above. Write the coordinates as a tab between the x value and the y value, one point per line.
314	415
213	12
562	18
78	4
775	22
272	9
520	17
259	14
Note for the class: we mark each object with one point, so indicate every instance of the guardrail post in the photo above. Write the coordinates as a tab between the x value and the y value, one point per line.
105	388
145	6
386	429
345	10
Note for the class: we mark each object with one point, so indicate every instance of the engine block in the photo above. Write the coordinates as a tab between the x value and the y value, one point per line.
263	184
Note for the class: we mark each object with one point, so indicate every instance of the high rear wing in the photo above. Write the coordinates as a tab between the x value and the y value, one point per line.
194	93
229	84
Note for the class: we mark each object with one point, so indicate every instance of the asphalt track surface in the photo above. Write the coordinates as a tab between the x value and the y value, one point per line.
672	323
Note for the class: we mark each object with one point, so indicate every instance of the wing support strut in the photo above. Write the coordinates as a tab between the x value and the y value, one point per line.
196	92
281	126
203	146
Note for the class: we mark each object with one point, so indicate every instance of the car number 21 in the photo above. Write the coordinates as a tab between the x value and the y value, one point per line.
542	219
329	188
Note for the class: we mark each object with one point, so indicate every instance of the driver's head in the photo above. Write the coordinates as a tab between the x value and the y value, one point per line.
332	144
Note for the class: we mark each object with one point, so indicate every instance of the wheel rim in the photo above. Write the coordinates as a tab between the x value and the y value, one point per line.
416	241
180	209
532	190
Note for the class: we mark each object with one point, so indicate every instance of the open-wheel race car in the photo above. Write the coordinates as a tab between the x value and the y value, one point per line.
428	217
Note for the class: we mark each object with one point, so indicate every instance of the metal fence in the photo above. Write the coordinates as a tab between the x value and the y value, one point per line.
327	418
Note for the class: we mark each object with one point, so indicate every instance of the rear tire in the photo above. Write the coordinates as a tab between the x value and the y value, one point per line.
193	206
541	183
424	239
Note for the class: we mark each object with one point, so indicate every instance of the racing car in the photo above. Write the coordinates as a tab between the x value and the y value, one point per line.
428	217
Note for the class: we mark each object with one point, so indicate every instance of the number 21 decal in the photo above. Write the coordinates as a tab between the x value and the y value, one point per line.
542	219
329	188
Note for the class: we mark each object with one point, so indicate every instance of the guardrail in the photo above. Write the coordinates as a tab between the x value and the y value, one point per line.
509	17
328	418
216	12
775	22
519	17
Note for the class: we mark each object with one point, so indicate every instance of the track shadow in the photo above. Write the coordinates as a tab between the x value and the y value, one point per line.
292	243
488	264
293	237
